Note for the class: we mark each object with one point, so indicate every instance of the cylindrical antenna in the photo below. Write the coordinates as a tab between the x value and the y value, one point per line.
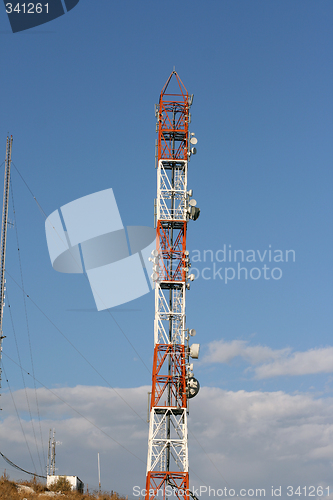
99	474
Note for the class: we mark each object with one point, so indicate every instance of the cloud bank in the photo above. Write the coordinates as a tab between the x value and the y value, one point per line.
268	362
251	439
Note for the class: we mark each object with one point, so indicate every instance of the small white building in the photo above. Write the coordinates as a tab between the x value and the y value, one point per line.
75	482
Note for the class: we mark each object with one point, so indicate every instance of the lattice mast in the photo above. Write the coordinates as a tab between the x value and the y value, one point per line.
51	455
172	379
4	241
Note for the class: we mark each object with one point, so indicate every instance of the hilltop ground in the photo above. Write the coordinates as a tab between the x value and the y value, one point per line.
35	490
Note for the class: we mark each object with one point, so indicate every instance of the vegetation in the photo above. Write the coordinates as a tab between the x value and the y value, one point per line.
9	490
62	485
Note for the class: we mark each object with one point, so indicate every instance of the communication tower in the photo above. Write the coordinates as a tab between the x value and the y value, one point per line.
173	383
51	455
4	239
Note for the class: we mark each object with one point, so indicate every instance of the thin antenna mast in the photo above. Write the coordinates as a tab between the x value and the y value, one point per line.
99	475
53	454
4	240
48	468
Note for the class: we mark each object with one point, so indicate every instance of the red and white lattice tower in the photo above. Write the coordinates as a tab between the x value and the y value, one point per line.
172	381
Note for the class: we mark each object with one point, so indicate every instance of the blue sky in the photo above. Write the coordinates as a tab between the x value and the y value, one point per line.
78	97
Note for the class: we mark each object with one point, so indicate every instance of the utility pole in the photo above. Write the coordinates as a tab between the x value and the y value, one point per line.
4	241
173	383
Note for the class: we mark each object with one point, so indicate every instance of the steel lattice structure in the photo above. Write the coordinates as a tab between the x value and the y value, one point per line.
172	378
4	241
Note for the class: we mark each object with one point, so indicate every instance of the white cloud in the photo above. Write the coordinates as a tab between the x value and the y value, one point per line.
255	439
271	362
220	351
299	363
259	439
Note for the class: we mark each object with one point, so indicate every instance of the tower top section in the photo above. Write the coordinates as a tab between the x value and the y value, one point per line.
175	89
173	119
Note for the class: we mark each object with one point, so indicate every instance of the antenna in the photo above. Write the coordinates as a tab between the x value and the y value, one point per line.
99	474
4	239
48	455
53	454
